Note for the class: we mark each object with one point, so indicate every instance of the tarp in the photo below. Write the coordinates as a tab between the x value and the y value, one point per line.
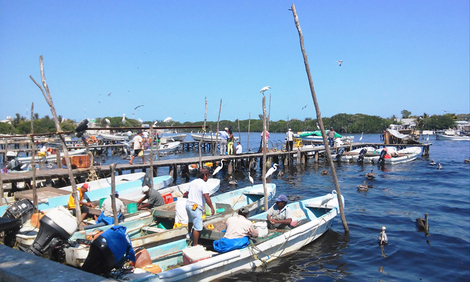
316	133
225	245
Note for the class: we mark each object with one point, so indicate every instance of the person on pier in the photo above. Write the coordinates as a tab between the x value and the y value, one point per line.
138	146
230	142
331	137
223	135
289	140
84	206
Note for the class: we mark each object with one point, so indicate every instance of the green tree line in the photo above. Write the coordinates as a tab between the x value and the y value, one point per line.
342	123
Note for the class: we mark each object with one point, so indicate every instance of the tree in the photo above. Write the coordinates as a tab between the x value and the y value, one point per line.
405	114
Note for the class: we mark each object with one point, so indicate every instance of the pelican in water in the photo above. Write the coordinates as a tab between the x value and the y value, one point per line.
370	175
432	162
383	240
423	224
363	187
439	166
324	172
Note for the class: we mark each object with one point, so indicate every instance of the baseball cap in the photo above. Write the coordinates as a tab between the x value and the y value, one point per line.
290	129
86	186
281	198
145	189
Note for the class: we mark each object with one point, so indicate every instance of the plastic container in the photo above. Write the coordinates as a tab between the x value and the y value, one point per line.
101	201
131	208
195	254
220	210
168	198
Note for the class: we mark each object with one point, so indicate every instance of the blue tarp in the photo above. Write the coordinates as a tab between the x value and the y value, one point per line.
224	245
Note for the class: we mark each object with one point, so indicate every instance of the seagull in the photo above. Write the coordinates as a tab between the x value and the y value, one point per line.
123	118
271	170
218	168
109	94
383	240
264	89
423	224
340	62
138	107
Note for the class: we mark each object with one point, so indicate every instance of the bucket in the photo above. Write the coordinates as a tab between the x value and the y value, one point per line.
131	208
168	198
101	201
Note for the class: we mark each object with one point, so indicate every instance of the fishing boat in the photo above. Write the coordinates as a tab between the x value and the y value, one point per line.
315	137
165	148
371	155
113	137
210	137
454	135
177	261
174	136
48	157
156	228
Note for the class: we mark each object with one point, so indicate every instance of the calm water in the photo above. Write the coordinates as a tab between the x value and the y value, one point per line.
400	194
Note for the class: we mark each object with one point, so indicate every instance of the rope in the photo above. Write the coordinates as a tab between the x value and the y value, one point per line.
92	176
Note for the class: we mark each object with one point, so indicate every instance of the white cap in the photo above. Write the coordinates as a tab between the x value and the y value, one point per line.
289	129
145	189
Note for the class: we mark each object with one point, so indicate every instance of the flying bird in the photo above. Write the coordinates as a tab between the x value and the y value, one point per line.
140	121
339	62
138	107
304	107
218	168
271	170
109	94
168	119
264	89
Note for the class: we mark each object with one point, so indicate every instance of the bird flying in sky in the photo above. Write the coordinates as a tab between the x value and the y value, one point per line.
304	107
109	94
339	62
138	107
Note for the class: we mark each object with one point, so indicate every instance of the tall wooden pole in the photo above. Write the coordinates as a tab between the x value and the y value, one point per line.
151	155
203	131
263	138
269	114
217	133
33	161
113	192
47	95
320	121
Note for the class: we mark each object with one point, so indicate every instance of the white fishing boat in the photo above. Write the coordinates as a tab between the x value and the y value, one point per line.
209	137
315	137
47	157
113	137
454	135
165	148
174	137
176	261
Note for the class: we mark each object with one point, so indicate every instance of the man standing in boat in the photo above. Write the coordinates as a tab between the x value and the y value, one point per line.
138	146
197	197
331	137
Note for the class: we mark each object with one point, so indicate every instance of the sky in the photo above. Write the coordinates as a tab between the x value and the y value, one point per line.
105	58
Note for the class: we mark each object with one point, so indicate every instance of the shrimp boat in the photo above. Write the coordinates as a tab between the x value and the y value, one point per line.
177	261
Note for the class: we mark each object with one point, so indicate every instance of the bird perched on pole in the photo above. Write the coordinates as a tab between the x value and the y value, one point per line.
271	170
264	89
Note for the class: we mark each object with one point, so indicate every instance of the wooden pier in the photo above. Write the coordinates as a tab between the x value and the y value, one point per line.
59	177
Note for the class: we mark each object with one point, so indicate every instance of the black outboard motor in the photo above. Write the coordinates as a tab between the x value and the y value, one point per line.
339	154
13	218
360	159
81	127
57	223
382	157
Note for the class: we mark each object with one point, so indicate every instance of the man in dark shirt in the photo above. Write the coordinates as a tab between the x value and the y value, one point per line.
154	199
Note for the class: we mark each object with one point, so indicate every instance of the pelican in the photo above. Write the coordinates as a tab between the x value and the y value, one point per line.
264	89
423	224
363	187
466	161
232	181
218	168
324	172
383	240
271	170
251	178
339	62
432	162
439	166
370	175
123	118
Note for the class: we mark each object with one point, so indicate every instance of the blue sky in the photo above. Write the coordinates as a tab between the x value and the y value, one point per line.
169	55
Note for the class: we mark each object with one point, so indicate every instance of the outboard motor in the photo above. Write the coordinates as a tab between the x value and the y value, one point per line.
81	127
13	218
382	156
57	223
339	154
360	159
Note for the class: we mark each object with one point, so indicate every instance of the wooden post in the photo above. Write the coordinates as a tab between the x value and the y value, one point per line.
1	190
113	193
203	131
151	154
263	174
214	152
47	95
33	163
248	137
320	121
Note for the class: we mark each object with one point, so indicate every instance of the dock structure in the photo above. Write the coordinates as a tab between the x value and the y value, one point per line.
59	176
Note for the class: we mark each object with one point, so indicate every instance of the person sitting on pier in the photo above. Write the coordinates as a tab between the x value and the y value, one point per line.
238	229
280	215
154	197
107	215
81	193
239	149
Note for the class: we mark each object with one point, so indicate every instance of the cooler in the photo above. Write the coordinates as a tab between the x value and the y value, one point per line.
78	161
195	254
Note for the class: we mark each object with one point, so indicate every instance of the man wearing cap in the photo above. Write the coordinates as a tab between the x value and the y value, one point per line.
280	215
154	197
289	140
197	197
81	193
181	216
137	147
107	215
223	135
238	229
331	137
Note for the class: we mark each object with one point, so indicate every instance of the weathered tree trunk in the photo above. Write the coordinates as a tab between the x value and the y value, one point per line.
263	174
113	193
